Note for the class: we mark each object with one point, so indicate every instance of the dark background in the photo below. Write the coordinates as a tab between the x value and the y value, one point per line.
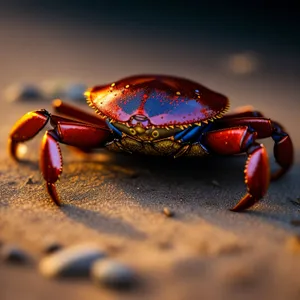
233	18
177	31
260	19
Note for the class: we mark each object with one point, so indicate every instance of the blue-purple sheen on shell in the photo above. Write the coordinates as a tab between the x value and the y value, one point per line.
164	100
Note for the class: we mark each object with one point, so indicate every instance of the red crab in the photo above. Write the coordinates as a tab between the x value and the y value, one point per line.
158	115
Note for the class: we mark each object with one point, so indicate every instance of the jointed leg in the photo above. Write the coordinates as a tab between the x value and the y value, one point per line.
283	150
51	163
76	113
257	173
283	147
64	131
257	177
26	128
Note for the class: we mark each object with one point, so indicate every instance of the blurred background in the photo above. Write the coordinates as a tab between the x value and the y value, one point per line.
250	51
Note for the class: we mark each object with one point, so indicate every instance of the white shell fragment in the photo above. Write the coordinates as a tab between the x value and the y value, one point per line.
71	262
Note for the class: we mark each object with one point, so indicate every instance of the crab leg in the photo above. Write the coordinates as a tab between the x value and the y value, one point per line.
191	133
257	174
80	115
283	147
51	163
76	113
65	131
257	177
26	128
70	133
283	150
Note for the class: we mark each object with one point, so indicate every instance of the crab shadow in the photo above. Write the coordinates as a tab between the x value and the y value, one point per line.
181	179
155	182
217	182
102	223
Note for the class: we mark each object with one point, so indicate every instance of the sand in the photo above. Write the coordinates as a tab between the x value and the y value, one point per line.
203	252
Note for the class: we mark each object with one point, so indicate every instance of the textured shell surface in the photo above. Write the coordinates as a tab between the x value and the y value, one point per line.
163	100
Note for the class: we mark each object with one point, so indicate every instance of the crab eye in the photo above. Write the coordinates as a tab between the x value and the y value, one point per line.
132	131
155	134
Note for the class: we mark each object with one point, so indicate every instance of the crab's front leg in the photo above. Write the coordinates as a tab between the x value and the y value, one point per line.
64	131
70	133
51	163
26	128
257	172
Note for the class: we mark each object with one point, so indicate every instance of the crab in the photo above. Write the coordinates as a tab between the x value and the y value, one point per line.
158	115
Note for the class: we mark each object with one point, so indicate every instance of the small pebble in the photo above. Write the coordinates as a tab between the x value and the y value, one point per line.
75	92
23	92
113	274
74	261
52	247
64	89
29	180
215	183
167	212
12	254
54	89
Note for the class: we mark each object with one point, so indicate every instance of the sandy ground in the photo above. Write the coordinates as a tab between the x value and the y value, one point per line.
204	251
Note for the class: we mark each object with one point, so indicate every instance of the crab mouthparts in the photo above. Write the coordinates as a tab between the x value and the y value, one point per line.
139	119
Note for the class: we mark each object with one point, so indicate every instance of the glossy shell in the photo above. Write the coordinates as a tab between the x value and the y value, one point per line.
164	100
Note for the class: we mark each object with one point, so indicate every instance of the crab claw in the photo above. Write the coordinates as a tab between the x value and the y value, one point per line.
51	163
257	177
26	128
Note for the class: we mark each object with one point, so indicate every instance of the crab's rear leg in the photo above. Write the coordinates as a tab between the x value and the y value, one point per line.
283	146
283	150
74	112
239	140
